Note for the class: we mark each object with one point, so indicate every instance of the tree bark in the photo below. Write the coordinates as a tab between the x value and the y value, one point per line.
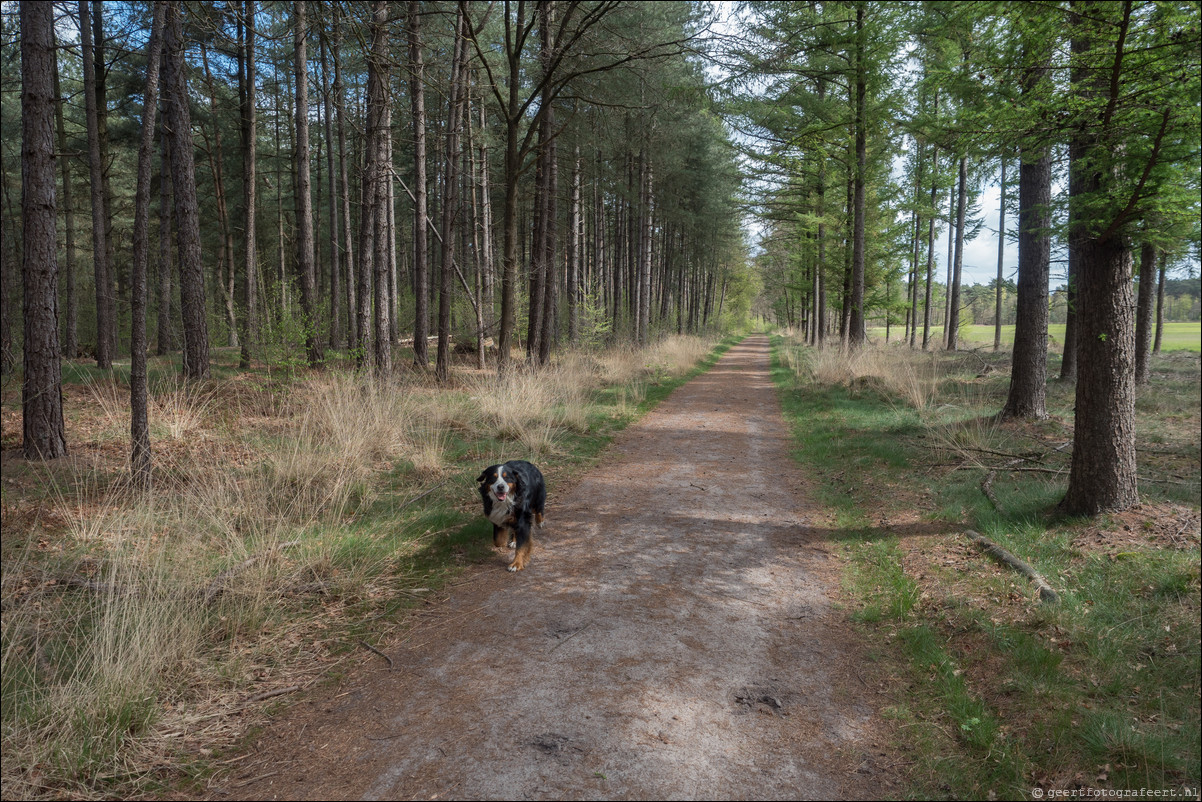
305	260
575	224
1144	309
856	324
375	177
450	196
117	288
67	270
1102	477
550	321
421	257
1028	377
106	324
645	227
337	332
250	317
41	392
224	281
1001	252
488	280
178	122
139	426
1159	305
352	314
926	306
953	303
165	341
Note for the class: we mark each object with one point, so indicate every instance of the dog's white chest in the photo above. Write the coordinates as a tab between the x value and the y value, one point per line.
501	512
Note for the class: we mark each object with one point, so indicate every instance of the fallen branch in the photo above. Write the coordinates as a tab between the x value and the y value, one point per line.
987	489
1046	593
259	697
987	482
373	649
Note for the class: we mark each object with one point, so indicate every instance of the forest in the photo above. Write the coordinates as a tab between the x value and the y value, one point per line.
232	231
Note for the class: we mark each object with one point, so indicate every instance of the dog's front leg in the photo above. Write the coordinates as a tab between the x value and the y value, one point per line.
524	544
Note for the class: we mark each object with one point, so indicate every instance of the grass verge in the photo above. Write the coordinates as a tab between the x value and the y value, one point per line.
997	695
292	521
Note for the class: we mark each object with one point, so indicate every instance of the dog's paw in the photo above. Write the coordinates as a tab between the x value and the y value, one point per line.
513	569
513	544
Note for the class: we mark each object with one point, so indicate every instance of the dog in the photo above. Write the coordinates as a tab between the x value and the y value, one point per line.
514	498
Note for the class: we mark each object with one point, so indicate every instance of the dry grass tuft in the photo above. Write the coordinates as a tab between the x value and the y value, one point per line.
131	616
912	377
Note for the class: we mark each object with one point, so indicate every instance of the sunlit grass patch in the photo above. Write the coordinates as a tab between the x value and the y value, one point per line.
1003	693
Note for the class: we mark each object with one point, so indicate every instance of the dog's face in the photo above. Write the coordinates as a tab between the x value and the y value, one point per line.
499	482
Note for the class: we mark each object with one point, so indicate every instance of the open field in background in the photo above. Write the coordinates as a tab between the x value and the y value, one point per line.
1176	336
295	517
996	693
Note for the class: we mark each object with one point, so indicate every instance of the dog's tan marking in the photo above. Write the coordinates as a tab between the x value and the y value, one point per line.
522	555
500	536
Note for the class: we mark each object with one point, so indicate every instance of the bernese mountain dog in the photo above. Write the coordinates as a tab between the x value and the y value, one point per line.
514	497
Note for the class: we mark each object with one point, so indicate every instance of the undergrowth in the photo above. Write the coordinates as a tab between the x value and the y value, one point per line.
995	694
293	519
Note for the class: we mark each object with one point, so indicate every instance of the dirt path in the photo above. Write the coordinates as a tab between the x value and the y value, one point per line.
673	638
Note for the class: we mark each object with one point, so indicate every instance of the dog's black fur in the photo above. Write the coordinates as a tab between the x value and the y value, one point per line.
514	499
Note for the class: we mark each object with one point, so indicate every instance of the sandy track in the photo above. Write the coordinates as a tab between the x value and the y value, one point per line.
673	638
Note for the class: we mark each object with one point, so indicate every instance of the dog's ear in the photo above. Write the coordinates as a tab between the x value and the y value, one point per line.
483	475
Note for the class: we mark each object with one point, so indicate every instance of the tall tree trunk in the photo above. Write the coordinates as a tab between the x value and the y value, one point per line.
394	334
116	275
856	325
337	332
644	284
7	289
544	207
1159	305
477	236
820	270
550	304
216	160
352	314
848	256
250	266
1145	303
8	281
953	303
165	342
574	243
305	260
41	392
488	281
1102	477
450	197
71	325
106	324
926	306
421	258
178	122
374	178
1028	377
1001	251
139	426
912	296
